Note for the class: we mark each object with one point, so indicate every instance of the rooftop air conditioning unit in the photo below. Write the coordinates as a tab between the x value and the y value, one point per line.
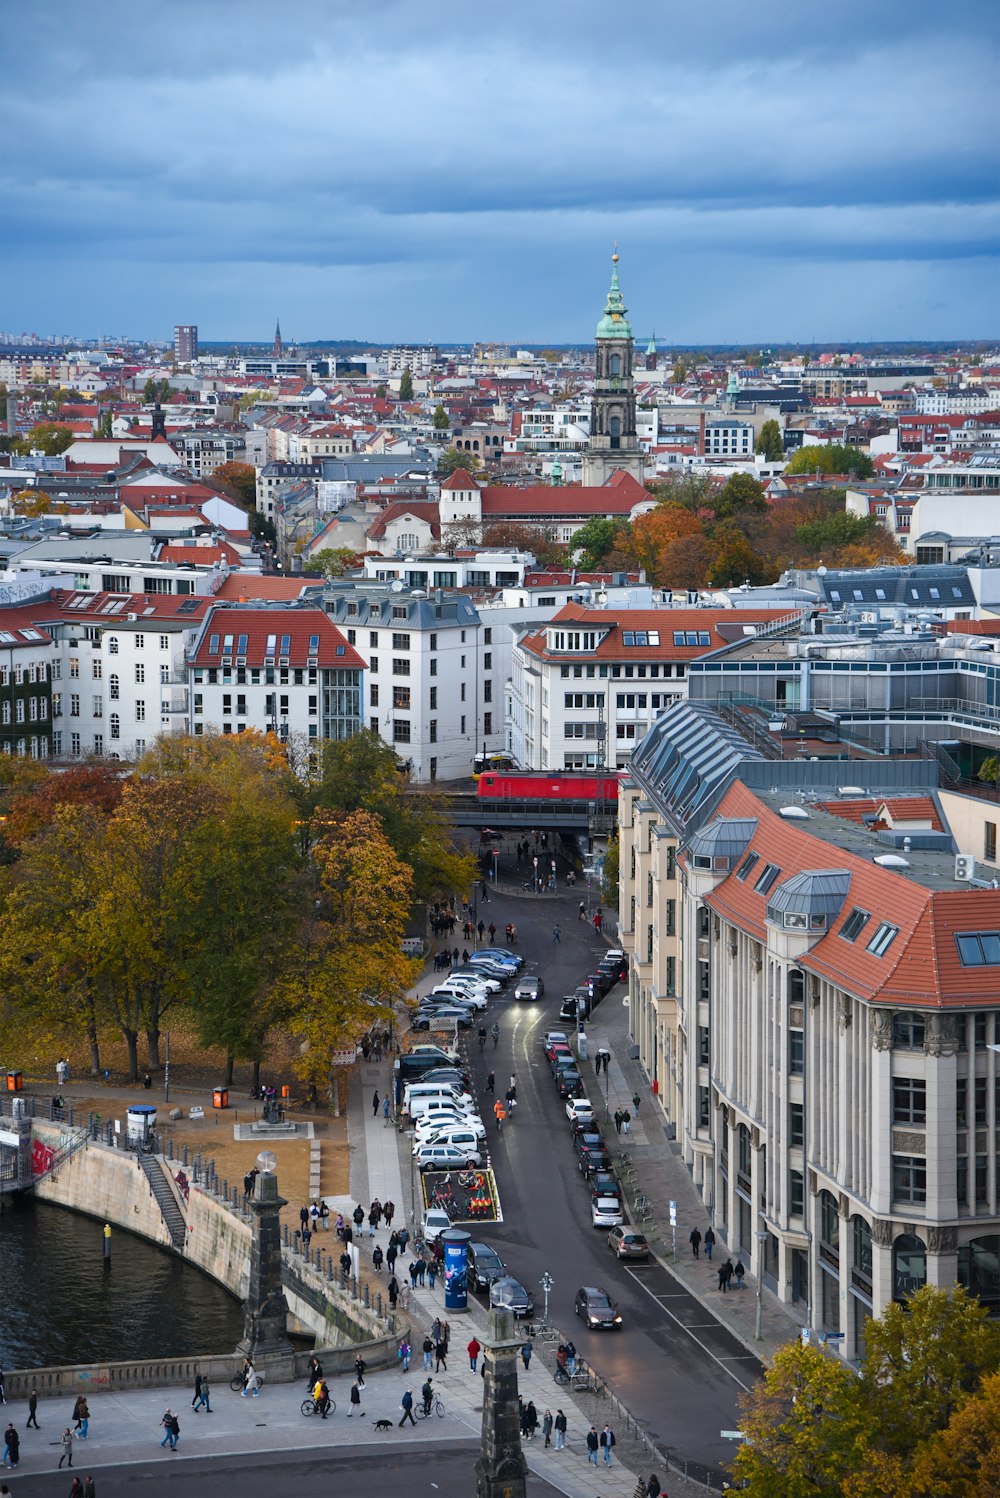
965	867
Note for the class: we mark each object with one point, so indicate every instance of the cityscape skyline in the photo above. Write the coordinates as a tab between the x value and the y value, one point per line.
452	177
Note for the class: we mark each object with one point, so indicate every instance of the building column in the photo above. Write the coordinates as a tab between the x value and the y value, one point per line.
501	1470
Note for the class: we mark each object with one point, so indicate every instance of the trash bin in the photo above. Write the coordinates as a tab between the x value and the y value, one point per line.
286	1092
220	1097
15	1081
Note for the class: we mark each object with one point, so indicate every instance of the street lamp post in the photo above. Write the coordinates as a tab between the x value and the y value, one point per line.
758	1328
546	1283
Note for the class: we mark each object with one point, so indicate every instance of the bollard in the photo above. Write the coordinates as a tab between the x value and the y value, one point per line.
367	1297
225	1187
185	1157
329	1268
107	1245
378	1303
284	1234
354	1288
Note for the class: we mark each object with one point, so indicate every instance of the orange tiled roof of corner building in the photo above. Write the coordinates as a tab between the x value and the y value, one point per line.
900	809
921	968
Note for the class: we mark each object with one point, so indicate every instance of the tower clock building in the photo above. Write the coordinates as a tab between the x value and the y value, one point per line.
613	443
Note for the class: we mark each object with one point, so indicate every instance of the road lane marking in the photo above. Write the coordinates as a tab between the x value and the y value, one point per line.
697	1340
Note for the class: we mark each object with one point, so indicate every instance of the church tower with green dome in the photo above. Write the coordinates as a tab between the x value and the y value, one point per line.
613	443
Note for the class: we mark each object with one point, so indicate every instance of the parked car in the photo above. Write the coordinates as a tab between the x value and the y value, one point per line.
463	1137
446	1157
605	1183
593	1160
467	991
436	1220
554	1048
569	1083
530	988
480	975
551	1037
413	1066
573	1008
625	1243
511	1294
606	1211
588	1139
436	1051
450	1075
427	1019
580	1109
485	1266
595	1307
502	954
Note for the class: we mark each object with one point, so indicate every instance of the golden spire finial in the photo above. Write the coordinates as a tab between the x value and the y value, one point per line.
615	255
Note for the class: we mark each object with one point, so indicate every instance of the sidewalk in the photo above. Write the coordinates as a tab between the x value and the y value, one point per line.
663	1177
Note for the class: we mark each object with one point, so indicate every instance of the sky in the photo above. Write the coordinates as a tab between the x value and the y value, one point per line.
773	171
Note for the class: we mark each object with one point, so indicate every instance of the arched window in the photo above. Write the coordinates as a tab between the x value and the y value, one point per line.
829	1227
909	1266
979	1269
475	445
113	689
615	366
112	644
615	430
116	726
796	986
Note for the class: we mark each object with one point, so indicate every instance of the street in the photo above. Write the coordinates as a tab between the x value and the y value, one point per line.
672	1363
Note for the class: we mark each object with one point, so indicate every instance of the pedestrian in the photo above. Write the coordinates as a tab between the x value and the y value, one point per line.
474	1349
197	1393
556	934
626	1121
493	931
427	1393
413	1273
593	1444
404	1238
709	1244
738	1273
303	1217
359	1370
491	1083
206	1393
377	1258
432	1270
355	1400
376	1101
559	1426
428	1351
11	1447
89	1487
440	1357
725	1275
526	1351
67	1447
32	1410
385	1111
694	1238
547	1427
388	1212
406	1405
358	1215
171	1430
345	1266
570	1358
480	929
405	1353
314	1216
653	1489
324	1216
252	1385
75	1488
390	1255
77	1414
522	1416
598	918
583	911
619	1116
635	1103
306	1240
314	1372
607	1444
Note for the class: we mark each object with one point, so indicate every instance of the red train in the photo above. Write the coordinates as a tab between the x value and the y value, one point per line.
548	785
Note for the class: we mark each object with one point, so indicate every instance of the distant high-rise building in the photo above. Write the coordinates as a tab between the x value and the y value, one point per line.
185	342
278	347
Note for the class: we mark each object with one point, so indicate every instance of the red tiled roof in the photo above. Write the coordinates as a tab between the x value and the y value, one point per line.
200	556
253	585
898	809
920	968
460	479
665	621
426	510
294	628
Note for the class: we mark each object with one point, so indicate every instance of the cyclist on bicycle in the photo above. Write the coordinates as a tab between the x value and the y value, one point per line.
427	1390
495	1032
500	1113
482	1036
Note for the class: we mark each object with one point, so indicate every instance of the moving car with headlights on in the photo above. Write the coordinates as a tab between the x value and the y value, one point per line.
595	1307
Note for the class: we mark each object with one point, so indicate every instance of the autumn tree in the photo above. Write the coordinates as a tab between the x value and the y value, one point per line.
652	536
406	386
735	559
832	458
963	1460
521	535
239	481
32	503
680	372
770	442
48	437
741	492
441	419
34	806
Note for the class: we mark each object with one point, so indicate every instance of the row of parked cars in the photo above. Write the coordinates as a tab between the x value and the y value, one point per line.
460	997
580	1004
487	1273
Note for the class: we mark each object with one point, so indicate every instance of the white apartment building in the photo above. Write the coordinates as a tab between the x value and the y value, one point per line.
285	670
965	400
815	995
728	438
587	686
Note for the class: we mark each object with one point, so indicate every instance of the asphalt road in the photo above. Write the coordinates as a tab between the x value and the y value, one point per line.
673	1364
432	1472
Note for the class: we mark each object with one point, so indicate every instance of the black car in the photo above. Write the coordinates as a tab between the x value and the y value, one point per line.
451	1076
593	1160
569	1083
601	982
485	1266
596	1308
590	1139
511	1295
603	1183
560	1060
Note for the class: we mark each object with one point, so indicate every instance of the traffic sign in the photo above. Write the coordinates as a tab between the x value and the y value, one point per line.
731	1435
835	1337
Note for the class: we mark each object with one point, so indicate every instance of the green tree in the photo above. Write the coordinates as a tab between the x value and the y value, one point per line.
963	1460
610	871
827	535
334	561
262	528
381	392
452	459
155	390
834	458
47	437
770	442
442	420
989	770
104	426
239	481
740	492
595	540
406	386
252	398
680	372
735	559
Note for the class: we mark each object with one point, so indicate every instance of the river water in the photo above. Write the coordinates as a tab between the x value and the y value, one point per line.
59	1304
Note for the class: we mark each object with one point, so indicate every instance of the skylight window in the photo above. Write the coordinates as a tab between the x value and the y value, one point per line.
885	935
979	948
855	924
747	865
213	644
241	645
766	878
835	595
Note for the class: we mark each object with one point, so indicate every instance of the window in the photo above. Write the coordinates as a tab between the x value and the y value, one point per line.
401	697
746	867
74	743
400	731
140	712
990	841
165	643
112	644
796	1125
74	708
433	730
373	694
115	726
766	878
909	1100
97	667
885	935
855	923
908	1031
796	1193
979	948
140	642
796	1052
74	668
140	673
400	667
373	639
434	698
400	642
487	722
909	1178
98	707
488	661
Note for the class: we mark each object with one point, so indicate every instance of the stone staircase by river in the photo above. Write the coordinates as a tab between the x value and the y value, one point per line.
172	1215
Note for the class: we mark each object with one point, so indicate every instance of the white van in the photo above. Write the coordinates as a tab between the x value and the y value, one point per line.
463	1139
421	1107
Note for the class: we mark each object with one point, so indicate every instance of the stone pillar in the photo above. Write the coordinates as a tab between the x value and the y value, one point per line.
265	1310
501	1471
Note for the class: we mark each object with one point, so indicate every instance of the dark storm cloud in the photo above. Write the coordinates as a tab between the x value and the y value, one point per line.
338	161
